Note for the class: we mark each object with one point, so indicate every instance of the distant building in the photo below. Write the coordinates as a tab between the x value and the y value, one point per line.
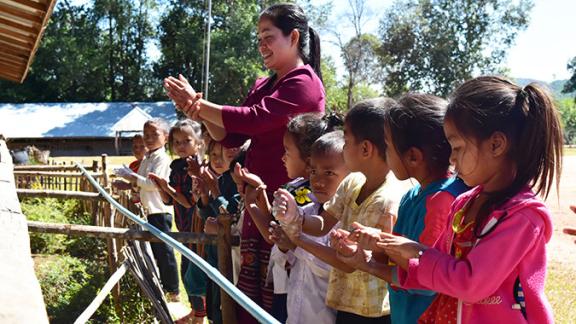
79	129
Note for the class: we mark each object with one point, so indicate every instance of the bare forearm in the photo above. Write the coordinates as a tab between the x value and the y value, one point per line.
318	225
261	219
216	132
377	269
211	113
324	253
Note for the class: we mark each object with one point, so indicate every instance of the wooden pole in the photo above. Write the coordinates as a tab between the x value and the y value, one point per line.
104	170
89	311
121	233
94	196
225	266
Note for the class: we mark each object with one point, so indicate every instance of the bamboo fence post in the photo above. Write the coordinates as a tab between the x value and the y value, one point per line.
225	266
104	171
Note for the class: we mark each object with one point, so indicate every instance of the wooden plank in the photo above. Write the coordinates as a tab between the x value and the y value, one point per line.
60	194
20	13
89	311
225	266
121	233
18	35
10	76
33	4
12	69
14	50
16	42
45	168
13	58
55	174
19	26
45	20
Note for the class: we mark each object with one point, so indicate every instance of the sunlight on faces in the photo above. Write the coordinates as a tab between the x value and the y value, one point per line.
326	172
216	160
393	159
276	49
229	154
473	160
352	150
139	148
184	144
154	137
294	164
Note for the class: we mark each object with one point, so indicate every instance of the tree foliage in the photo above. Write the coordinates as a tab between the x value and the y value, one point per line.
434	45
570	85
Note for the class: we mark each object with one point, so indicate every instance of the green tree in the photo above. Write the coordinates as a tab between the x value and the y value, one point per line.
68	65
434	45
126	29
570	86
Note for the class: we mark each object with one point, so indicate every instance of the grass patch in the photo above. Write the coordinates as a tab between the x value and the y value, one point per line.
569	151
561	292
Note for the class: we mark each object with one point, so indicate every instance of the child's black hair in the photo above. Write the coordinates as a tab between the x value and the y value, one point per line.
529	120
305	129
180	125
366	121
417	121
240	157
332	142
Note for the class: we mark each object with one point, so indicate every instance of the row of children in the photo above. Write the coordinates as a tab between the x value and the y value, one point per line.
343	250
199	187
465	246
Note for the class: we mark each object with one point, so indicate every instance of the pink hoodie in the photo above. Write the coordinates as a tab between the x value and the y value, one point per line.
484	281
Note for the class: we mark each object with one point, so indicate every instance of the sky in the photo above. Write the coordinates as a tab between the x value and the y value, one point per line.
540	52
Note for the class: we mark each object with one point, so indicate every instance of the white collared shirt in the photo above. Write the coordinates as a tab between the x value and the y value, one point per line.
157	162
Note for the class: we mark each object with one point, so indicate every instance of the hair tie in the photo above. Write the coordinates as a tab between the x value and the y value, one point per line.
520	99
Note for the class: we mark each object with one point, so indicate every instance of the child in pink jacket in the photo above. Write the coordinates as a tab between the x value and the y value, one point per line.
489	266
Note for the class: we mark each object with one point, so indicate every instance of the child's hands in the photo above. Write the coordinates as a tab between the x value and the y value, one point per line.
199	190
279	237
242	177
400	247
365	236
194	166
210	179
159	182
349	251
211	225
284	208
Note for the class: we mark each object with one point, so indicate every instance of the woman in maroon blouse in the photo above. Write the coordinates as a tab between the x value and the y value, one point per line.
291	49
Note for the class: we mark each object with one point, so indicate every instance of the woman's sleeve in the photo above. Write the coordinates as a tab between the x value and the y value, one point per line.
296	94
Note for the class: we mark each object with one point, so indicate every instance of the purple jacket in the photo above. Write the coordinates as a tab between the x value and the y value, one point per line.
486	281
263	118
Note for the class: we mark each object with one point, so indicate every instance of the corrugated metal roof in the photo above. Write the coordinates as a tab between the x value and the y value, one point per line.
22	24
75	119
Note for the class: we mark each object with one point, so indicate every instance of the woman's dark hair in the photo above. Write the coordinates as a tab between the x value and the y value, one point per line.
367	119
287	17
332	142
305	129
417	121
529	120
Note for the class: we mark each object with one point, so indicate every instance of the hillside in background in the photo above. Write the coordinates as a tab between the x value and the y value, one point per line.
555	87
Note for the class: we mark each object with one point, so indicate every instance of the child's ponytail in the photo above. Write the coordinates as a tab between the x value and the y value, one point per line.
305	129
528	118
540	143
